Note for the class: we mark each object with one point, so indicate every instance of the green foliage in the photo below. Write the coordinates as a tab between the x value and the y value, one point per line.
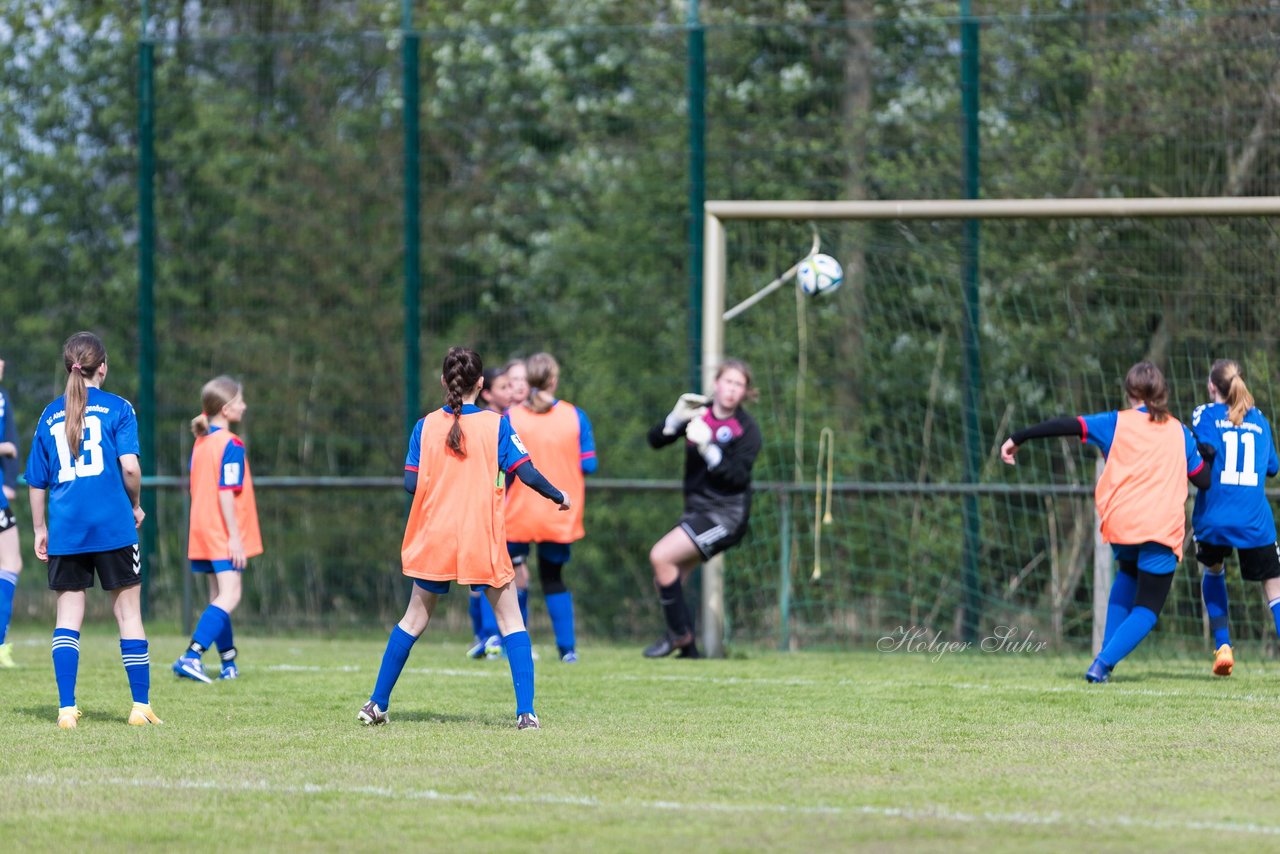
555	216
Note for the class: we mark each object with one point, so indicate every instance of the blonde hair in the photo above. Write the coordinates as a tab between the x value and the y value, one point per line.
541	370
82	354
1226	378
217	393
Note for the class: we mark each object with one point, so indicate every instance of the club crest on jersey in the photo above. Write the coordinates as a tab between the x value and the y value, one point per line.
724	434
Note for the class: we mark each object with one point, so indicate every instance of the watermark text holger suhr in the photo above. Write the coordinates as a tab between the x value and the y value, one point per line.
919	639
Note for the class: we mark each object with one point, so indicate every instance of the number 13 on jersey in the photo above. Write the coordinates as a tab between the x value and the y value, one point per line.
90	462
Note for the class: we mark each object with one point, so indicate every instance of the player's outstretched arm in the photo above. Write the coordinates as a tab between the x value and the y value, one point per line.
1065	425
534	479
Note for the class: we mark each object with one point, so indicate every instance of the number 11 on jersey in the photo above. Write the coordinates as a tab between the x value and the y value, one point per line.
1233	473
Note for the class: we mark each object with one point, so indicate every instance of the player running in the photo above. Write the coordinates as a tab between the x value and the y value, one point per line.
1141	499
1235	439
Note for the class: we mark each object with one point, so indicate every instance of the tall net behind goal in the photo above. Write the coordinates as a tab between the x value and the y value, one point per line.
1064	306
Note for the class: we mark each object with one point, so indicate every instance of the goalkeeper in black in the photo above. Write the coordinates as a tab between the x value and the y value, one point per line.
721	444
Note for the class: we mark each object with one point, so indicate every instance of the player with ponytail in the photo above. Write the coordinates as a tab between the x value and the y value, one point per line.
84	474
223	531
1235	438
560	435
459	459
1141	499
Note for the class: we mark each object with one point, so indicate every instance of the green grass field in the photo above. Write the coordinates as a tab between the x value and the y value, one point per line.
768	751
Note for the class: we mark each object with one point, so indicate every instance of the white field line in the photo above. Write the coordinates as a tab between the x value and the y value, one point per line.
355	668
865	685
910	814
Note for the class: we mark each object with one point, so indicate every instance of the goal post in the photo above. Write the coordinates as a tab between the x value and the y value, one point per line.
715	270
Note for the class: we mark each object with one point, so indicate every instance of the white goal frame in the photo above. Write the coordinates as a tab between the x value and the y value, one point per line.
714	265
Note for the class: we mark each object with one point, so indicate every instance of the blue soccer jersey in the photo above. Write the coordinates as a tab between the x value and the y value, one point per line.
511	452
88	508
1234	511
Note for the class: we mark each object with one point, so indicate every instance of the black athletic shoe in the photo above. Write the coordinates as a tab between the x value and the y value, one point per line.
666	645
689	650
660	648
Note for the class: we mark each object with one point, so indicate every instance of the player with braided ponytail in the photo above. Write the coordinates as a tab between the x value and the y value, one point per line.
1235	438
459	458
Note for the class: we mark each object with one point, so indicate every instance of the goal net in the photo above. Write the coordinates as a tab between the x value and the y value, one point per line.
958	322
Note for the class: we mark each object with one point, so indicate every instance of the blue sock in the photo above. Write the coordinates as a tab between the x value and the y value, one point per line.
1274	605
522	597
473	608
560	608
1124	587
226	640
207	630
8	583
520	657
488	620
137	666
398	647
66	662
1213	586
1128	635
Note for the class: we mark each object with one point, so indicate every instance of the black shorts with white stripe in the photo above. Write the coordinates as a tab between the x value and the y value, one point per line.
713	533
117	568
1258	563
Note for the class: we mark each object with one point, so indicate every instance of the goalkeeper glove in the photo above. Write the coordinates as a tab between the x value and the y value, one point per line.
699	433
687	408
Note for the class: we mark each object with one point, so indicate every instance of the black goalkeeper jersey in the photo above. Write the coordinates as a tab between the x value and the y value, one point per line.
729	482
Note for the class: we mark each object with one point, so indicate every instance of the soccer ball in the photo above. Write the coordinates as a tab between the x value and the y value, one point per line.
819	274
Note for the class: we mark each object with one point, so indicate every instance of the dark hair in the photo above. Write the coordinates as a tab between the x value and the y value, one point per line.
462	370
1145	383
490	377
1226	378
541	370
217	393
752	393
82	355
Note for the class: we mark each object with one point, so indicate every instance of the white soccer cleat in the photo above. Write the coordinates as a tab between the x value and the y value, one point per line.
371	715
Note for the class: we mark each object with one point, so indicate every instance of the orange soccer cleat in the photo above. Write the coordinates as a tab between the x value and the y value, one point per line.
1223	661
